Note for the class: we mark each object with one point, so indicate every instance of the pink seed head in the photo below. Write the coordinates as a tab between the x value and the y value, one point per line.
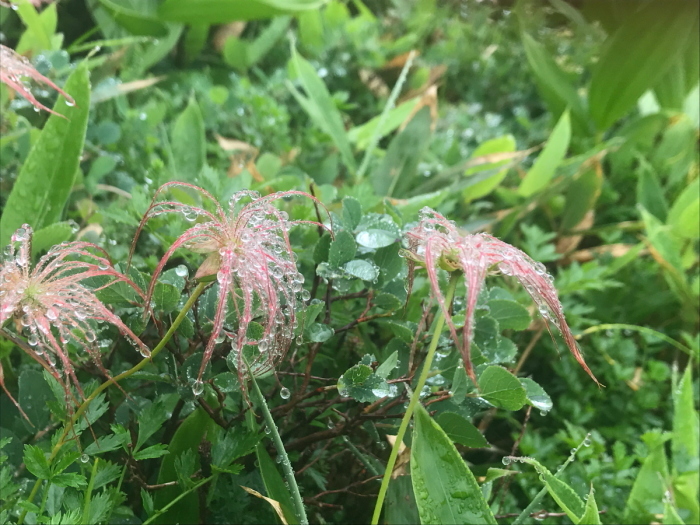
436	242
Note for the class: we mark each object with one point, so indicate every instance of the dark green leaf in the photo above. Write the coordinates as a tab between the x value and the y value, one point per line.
155	451
352	212
581	197
36	462
461	431
275	485
69	479
509	314
342	249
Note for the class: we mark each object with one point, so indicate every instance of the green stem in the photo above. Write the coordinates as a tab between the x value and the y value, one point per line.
635	328
85	404
279	446
173	502
45	497
439	325
88	492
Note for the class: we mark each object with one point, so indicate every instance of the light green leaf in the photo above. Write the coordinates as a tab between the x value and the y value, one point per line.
636	56
684	215
223	11
139	17
581	197
446	490
549	160
362	269
361	135
536	396
650	194
684	442
189	142
649	486
561	492
387	366
501	388
45	181
461	431
320	107
590	513
49	236
504	144
671	516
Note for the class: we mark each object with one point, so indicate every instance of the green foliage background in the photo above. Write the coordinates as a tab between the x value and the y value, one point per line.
569	130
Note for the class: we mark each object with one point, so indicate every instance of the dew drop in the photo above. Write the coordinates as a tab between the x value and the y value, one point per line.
284	393
181	271
198	388
587	442
84	458
506	460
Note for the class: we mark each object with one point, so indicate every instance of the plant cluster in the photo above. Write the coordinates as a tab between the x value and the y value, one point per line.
247	280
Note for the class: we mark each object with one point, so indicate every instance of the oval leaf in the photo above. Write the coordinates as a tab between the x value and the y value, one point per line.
501	388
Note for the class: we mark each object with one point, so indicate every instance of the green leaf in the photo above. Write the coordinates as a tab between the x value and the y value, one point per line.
636	56
34	393
36	462
684	447
509	314
549	160
446	490
362	135
274	484
319	332
553	84
189	142
394	174
536	396
460	384
387	366
224	11
352	212
262	45
377	231
342	249
590	513
400	507
650	194
461	430
107	443
154	451
46	179
151	419
489	149
49	236
362	269
649	486
362	384
684	215
495	473
320	107
671	516
69	479
136	16
581	197
501	388
561	492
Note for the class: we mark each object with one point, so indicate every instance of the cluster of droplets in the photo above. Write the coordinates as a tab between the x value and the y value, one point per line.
52	306
437	243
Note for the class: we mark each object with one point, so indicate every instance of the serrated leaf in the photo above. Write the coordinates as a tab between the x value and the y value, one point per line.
36	462
461	430
501	388
69	479
446	490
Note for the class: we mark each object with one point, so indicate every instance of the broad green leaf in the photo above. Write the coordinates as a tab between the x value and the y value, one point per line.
49	236
649	486
342	249
460	384
461	431
362	384
561	492
189	142
377	231
536	396
509	314
139	17
223	11
393	176
400	506
549	160
445	489
501	388
45	181
684	215
489	149
361	135
275	484
636	56
590	513
581	197
235	53
310	29
320	107
387	366
34	393
195	40
40	27
553	84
